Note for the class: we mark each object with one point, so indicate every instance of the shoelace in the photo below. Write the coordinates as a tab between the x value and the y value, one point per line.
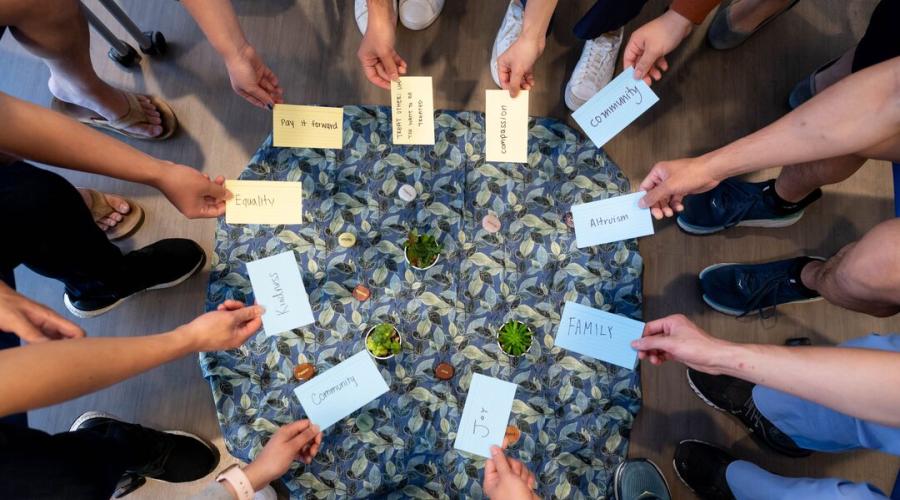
768	288
594	49
734	196
751	412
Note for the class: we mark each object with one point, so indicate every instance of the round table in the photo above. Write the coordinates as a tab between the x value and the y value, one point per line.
574	412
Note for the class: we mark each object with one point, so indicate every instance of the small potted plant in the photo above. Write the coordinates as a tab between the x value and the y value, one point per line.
421	251
514	338
383	341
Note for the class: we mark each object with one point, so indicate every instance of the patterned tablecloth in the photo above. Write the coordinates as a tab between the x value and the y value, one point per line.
575	413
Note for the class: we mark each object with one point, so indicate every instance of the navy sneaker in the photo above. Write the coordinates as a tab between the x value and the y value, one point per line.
739	203
640	479
740	289
735	397
701	467
163	264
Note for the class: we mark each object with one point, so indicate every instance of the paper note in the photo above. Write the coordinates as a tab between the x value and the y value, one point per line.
485	416
599	334
264	202
307	127
612	219
614	107
412	110
278	287
506	126
336	393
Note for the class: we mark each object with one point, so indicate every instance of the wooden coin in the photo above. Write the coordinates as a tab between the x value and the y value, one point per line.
347	240
304	371
569	220
444	371
512	434
361	293
490	223
407	192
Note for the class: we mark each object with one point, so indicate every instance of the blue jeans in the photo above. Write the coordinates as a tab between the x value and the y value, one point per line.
818	428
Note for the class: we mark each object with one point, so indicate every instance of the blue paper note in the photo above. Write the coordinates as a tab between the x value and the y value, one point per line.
278	287
336	393
598	334
485	416
614	107
612	219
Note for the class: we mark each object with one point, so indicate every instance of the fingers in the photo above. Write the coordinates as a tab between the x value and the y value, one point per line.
373	76
401	64
305	438
251	99
230	305
631	53
515	82
25	330
390	65
499	460
292	429
644	63
52	324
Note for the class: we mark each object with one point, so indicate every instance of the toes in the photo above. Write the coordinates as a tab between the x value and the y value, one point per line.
107	221
118	204
102	226
144	129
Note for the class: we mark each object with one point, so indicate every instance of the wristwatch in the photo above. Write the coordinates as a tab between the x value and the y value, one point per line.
238	481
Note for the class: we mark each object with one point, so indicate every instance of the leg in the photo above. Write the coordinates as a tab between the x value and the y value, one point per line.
57	32
605	16
796	182
863	276
747	15
749	482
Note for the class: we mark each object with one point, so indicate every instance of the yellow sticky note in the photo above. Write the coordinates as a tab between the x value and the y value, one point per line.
264	202
307	127
412	106
506	126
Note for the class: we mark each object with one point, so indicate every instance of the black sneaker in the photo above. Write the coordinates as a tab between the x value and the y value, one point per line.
738	203
640	479
701	467
735	397
163	264
171	456
740	289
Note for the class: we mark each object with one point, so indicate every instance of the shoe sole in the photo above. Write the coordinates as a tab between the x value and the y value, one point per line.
97	312
737	312
675	467
619	470
765	223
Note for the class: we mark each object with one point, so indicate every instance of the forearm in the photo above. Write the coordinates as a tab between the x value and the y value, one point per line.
380	10
38	375
858	112
537	19
38	134
849	380
219	23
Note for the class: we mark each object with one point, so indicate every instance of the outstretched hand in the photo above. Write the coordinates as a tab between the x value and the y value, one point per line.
252	79
676	338
670	181
507	478
226	328
193	193
515	66
376	54
31	321
649	44
297	441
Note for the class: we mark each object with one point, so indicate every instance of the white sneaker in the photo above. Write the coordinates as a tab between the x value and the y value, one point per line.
594	69
419	14
510	29
361	9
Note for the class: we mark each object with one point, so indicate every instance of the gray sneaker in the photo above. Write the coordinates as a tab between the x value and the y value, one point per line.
722	36
640	479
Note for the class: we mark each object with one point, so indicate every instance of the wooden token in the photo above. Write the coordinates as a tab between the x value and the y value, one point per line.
304	371
512	435
444	371
569	220
490	223
361	293
407	192
347	240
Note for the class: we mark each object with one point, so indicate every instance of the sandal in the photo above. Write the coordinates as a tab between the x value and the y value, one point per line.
134	116
130	222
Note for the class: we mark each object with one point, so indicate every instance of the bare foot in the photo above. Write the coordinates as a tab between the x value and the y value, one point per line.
110	103
746	15
118	204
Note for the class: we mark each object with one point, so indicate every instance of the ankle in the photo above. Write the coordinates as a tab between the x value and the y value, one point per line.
790	195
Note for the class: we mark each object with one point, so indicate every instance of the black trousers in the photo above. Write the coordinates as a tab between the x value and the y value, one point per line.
880	42
605	16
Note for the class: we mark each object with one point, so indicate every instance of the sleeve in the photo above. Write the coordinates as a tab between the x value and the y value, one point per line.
694	10
214	491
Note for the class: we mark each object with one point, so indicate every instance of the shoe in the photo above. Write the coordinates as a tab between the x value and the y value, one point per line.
722	36
701	467
509	32
735	396
175	456
361	10
163	264
806	89
739	203
740	289
419	14
640	479
594	69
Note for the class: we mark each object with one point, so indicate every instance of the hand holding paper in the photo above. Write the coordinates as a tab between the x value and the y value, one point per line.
412	110
614	107
278	286
506	126
307	127
485	415
598	334
264	202
612	219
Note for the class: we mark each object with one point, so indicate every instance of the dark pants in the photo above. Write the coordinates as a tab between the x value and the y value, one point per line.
880	42
605	16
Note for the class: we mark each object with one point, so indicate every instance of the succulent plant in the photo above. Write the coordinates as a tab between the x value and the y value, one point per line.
383	341
514	338
422	250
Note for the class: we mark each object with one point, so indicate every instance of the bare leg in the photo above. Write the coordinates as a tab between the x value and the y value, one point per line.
795	182
863	276
746	15
57	32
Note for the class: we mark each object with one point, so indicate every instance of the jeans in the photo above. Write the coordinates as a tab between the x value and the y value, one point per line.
605	16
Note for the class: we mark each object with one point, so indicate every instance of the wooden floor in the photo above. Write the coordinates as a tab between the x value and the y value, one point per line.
708	99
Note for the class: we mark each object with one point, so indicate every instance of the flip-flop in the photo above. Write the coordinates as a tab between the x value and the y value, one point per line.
134	116
722	36
130	222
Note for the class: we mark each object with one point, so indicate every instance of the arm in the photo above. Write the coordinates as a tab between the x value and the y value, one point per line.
79	366
250	77
516	65
39	134
31	321
380	62
817	374
648	46
861	111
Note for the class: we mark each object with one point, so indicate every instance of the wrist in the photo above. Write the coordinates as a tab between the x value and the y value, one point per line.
255	476
679	23
182	341
732	359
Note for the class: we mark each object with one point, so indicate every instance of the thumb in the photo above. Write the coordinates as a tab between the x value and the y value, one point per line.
499	460
644	63
390	66
653	343
246	314
217	191
654	196
515	81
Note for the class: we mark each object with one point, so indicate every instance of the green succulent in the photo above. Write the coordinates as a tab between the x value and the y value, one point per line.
515	338
383	341
422	250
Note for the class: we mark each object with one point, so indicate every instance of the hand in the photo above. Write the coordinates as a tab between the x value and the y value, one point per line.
226	328
516	65
507	478
192	192
31	321
676	338
252	79
376	53
648	46
670	181
299	440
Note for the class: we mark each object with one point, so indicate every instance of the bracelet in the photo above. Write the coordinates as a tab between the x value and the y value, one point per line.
238	480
